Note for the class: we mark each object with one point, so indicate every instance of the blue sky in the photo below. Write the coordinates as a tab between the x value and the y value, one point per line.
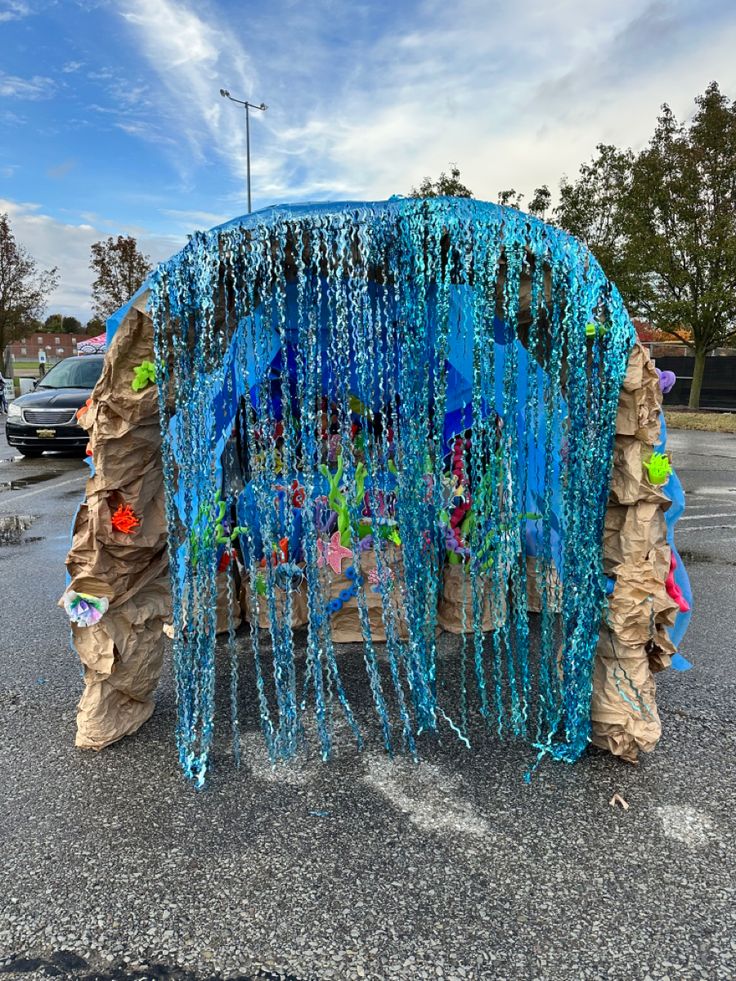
111	121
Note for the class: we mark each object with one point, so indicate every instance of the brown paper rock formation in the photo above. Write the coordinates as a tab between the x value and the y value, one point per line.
455	607
122	653
345	623
633	642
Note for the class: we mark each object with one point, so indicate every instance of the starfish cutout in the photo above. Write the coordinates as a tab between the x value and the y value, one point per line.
332	553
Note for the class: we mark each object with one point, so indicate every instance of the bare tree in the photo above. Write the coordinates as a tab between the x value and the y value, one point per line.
23	286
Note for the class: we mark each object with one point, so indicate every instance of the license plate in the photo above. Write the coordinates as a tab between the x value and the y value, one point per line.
45	433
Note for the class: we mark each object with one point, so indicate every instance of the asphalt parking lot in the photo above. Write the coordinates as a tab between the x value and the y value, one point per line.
113	867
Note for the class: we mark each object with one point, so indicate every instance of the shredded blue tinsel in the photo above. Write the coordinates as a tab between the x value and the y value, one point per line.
451	321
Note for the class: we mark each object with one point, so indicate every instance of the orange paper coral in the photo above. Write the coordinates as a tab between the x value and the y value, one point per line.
80	412
124	519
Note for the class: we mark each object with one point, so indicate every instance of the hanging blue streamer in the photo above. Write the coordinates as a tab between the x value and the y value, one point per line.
409	389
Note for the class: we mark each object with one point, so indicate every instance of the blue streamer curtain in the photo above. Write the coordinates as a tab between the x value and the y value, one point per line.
339	386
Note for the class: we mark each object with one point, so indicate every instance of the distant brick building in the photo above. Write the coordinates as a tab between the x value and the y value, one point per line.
21	358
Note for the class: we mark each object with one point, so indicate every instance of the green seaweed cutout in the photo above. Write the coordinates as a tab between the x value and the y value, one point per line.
659	468
360	475
212	533
143	375
336	497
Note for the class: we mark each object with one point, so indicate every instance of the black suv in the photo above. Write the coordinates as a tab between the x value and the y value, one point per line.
45	419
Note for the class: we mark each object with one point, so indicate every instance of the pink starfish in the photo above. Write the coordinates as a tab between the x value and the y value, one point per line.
332	553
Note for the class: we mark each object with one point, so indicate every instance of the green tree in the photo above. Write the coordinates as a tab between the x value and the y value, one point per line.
94	327
510	198
23	286
53	323
71	325
444	186
540	202
680	221
592	208
120	269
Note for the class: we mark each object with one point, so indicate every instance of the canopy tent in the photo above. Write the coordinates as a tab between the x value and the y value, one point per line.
93	345
382	419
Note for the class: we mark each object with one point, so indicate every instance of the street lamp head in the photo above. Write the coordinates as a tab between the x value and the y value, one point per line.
263	106
224	93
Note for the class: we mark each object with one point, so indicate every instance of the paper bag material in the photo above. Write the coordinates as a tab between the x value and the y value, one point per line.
122	657
122	654
533	595
623	712
633	641
631	532
255	607
222	625
345	623
455	608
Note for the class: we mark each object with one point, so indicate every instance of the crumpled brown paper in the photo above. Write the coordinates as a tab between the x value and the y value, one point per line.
255	607
455	608
631	532
345	623
633	642
623	712
122	654
223	620
533	595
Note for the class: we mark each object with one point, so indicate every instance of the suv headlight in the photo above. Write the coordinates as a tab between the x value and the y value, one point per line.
13	411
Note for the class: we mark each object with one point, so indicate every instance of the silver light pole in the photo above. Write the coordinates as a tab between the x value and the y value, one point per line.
247	106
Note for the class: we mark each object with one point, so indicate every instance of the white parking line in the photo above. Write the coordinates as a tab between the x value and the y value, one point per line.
706	517
704	507
687	825
691	531
39	490
432	801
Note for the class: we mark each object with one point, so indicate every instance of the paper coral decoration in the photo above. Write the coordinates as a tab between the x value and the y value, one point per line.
124	519
659	468
80	412
143	375
83	609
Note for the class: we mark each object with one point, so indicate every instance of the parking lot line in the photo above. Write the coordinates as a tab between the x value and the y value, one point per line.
693	530
40	490
706	517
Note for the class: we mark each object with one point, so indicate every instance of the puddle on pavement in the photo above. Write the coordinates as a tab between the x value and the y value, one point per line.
12	527
30	480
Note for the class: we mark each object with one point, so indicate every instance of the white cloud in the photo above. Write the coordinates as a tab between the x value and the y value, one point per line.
517	100
13	10
145	130
516	94
195	219
72	66
37	87
192	59
66	245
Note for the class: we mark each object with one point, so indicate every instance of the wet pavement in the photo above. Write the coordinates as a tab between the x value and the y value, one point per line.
113	868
